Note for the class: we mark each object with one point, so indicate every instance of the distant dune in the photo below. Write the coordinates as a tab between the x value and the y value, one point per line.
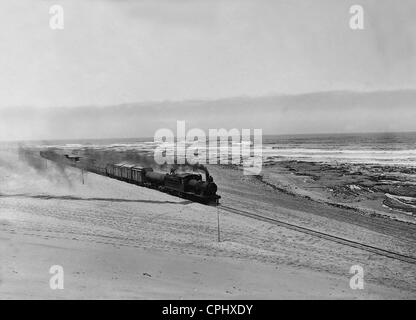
322	112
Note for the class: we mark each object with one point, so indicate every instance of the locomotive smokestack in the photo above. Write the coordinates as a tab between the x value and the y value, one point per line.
203	168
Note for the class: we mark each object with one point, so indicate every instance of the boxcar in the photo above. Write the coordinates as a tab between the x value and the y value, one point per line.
110	170
138	174
126	171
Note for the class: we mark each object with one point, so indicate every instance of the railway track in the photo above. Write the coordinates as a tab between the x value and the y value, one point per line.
322	235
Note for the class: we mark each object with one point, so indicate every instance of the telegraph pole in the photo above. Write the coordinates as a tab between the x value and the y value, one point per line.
218	223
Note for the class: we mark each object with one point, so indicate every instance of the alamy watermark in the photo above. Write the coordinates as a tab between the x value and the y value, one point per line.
357	17
220	146
56	21
57	279
356	20
357	280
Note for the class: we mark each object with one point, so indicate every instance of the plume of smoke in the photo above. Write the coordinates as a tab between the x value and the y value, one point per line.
31	158
55	172
142	158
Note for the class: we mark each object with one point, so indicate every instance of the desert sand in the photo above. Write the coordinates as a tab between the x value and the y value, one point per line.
116	240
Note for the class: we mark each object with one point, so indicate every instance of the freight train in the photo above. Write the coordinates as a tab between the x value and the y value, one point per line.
185	185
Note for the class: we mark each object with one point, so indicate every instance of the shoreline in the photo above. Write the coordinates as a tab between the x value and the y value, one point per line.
344	186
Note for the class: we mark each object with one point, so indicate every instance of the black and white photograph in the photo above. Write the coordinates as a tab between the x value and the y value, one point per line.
209	150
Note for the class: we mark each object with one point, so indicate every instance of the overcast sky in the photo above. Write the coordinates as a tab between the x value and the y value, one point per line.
133	51
114	51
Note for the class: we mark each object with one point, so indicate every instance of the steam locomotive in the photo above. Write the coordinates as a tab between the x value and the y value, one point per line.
186	185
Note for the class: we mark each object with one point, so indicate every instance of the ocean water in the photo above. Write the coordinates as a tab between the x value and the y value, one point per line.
393	149
373	153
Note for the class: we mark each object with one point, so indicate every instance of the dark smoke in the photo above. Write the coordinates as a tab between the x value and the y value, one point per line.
101	158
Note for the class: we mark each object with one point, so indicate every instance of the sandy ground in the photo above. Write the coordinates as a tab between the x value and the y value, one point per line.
107	271
116	240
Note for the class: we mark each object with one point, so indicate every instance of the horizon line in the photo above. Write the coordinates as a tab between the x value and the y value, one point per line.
202	99
265	134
